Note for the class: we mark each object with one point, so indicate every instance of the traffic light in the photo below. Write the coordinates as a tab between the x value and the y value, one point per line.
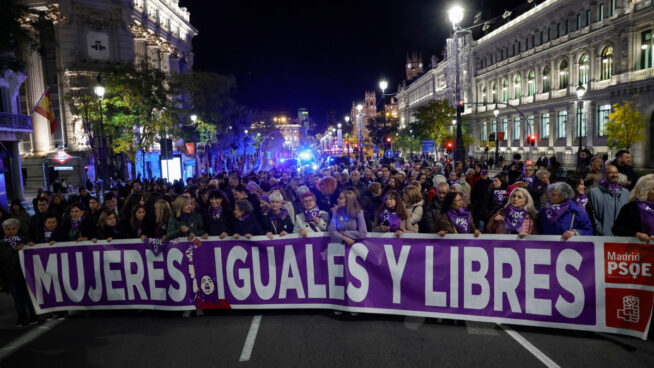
491	137
486	148
86	167
449	147
532	140
388	139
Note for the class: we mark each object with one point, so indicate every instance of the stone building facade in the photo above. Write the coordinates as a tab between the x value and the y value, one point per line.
82	37
530	68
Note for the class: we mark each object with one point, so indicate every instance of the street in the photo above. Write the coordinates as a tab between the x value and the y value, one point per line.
311	338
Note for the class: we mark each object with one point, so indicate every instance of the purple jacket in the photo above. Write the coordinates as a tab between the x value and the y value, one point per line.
352	228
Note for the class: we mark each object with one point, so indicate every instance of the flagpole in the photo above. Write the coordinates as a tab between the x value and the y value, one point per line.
40	99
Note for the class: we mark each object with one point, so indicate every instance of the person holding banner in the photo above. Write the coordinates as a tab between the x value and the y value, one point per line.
636	218
494	198
10	244
217	217
277	221
186	222
391	216
455	218
516	217
348	223
579	187
109	228
312	219
246	223
162	215
78	227
561	216
50	231
140	225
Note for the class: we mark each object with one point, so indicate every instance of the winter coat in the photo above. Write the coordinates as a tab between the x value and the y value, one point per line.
605	208
529	226
87	229
276	226
628	222
430	214
444	223
312	227
354	228
250	225
415	216
223	223
565	222
194	222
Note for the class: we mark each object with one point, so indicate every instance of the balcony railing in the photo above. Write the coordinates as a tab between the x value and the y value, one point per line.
16	123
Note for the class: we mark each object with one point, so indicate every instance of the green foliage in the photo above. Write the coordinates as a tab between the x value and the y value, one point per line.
433	120
407	142
626	126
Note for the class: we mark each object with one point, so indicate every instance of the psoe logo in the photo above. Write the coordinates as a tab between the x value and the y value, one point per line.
630	311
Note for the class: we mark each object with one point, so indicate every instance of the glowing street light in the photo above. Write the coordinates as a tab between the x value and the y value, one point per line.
456	15
194	118
383	85
359	107
99	91
347	119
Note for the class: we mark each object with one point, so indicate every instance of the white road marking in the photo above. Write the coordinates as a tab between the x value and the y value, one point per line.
481	328
249	341
530	347
28	337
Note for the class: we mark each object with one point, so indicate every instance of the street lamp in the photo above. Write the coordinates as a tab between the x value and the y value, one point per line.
383	84
581	91
360	131
194	118
99	92
496	112
456	16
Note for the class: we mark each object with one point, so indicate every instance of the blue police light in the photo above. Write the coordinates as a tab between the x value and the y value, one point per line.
314	166
282	160
306	155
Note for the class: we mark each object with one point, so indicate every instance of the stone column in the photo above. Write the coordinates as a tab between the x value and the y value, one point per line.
35	87
16	176
140	50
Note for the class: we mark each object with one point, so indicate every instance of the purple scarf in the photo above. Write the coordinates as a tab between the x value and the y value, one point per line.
529	180
460	219
47	234
612	188
554	211
499	196
394	221
514	218
646	211
75	224
184	216
581	201
309	215
451	182
139	227
283	212
215	213
13	241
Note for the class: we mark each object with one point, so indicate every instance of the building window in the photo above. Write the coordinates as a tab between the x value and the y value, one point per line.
493	127
531	83
587	17
546	79
533	40
611	7
602	118
517	87
505	90
580	122
484	131
483	95
504	125
494	89
541	37
530	124
549	34
558	30
607	63
515	129
563	74
545	125
584	63
646	56
600	12
526	43
578	21
513	54
561	123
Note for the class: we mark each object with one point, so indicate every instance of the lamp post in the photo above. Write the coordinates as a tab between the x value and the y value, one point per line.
360	130
383	84
340	138
99	92
496	112
456	16
580	95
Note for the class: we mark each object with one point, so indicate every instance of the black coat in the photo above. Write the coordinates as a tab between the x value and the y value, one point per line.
119	233
251	225
276	226
217	225
57	236
628	221
147	229
87	229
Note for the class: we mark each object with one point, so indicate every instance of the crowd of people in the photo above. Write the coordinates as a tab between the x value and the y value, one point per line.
347	201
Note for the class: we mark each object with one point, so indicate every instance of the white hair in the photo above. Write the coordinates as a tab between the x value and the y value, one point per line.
276	196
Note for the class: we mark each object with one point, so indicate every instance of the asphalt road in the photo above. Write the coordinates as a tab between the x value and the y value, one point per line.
302	339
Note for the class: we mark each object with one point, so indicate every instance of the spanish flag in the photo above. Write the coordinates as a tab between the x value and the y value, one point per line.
44	108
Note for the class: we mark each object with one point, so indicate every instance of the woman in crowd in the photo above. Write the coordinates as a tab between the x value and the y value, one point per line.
140	225
579	187
636	218
454	218
109	228
494	198
451	178
538	189
327	195
218	217
18	212
57	204
414	208
518	216
93	212
245	223
277	220
528	175
185	222
370	202
10	244
162	214
78	226
391	216
348	223
561	216
312	219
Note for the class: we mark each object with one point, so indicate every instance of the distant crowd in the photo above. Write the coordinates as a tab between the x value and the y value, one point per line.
347	201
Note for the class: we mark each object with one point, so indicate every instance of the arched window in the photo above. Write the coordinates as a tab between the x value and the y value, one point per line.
505	90
483	95
564	73
584	64
531	83
494	89
607	63
517	87
546	79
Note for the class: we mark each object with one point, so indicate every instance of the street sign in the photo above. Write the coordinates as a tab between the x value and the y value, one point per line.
61	157
428	146
500	136
201	148
63	168
190	148
389	154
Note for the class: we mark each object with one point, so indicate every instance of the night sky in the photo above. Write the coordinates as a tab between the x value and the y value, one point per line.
317	54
